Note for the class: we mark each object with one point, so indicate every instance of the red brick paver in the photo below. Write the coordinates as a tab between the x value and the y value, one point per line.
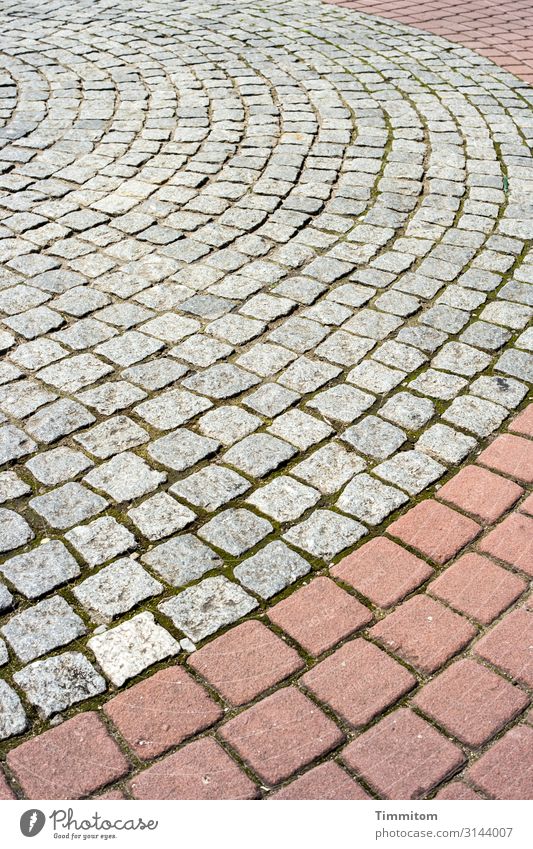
480	492
359	681
382	571
502	32
509	646
319	615
201	770
459	791
506	770
68	762
5	790
162	711
245	662
471	702
512	541
477	587
281	734
435	530
424	633
327	781
512	455
403	757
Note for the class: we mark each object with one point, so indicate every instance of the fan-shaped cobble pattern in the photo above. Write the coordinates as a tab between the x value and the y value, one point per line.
265	282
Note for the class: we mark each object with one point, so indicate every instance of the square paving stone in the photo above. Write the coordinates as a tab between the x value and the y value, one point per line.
58	465
319	615
14	443
206	607
424	633
470	702
11	486
112	436
259	454
298	334
370	500
101	540
438	384
172	408
475	414
58	419
115	589
182	449
235	530
407	410
374	437
358	681
435	530
272	569
403	757
228	424
12	715
222	380
160	516
325	781
124	477
265	360
129	348
211	487
517	364
128	649
446	444
275	757
375	377
300	429
184	709
182	559
461	359
56	683
14	530
271	399
201	351
382	571
341	403
75	372
155	374
68	505
412	471
110	397
502	771
501	390
44	567
284	499
325	533
235	329
305	375
329	468
6	599
344	348
42	628
245	662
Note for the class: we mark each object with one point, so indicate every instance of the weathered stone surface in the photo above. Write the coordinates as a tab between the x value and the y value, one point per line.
58	682
203	609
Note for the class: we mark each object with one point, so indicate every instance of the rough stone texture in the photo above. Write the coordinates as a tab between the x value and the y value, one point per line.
41	569
58	682
39	629
115	589
12	714
208	606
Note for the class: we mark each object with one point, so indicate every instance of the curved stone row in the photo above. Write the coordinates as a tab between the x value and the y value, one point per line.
265	279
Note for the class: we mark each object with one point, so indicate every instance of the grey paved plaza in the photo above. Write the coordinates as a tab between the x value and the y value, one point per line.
265	279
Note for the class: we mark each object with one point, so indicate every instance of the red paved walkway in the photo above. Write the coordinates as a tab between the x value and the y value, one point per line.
501	31
404	672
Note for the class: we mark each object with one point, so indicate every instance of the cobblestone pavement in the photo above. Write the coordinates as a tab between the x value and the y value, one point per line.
501	31
265	284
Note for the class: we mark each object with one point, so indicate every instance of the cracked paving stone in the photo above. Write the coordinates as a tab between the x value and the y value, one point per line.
58	419
182	559
446	444
101	540
58	465
342	403
259	454
325	534
228	424
125	477
68	505
235	530
374	437
412	471
284	499
475	414
182	449
12	715
211	487
116	589
14	530
128	649
272	569
56	683
160	516
112	437
208	606
300	429
370	500
172	408
42	569
221	381
40	629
